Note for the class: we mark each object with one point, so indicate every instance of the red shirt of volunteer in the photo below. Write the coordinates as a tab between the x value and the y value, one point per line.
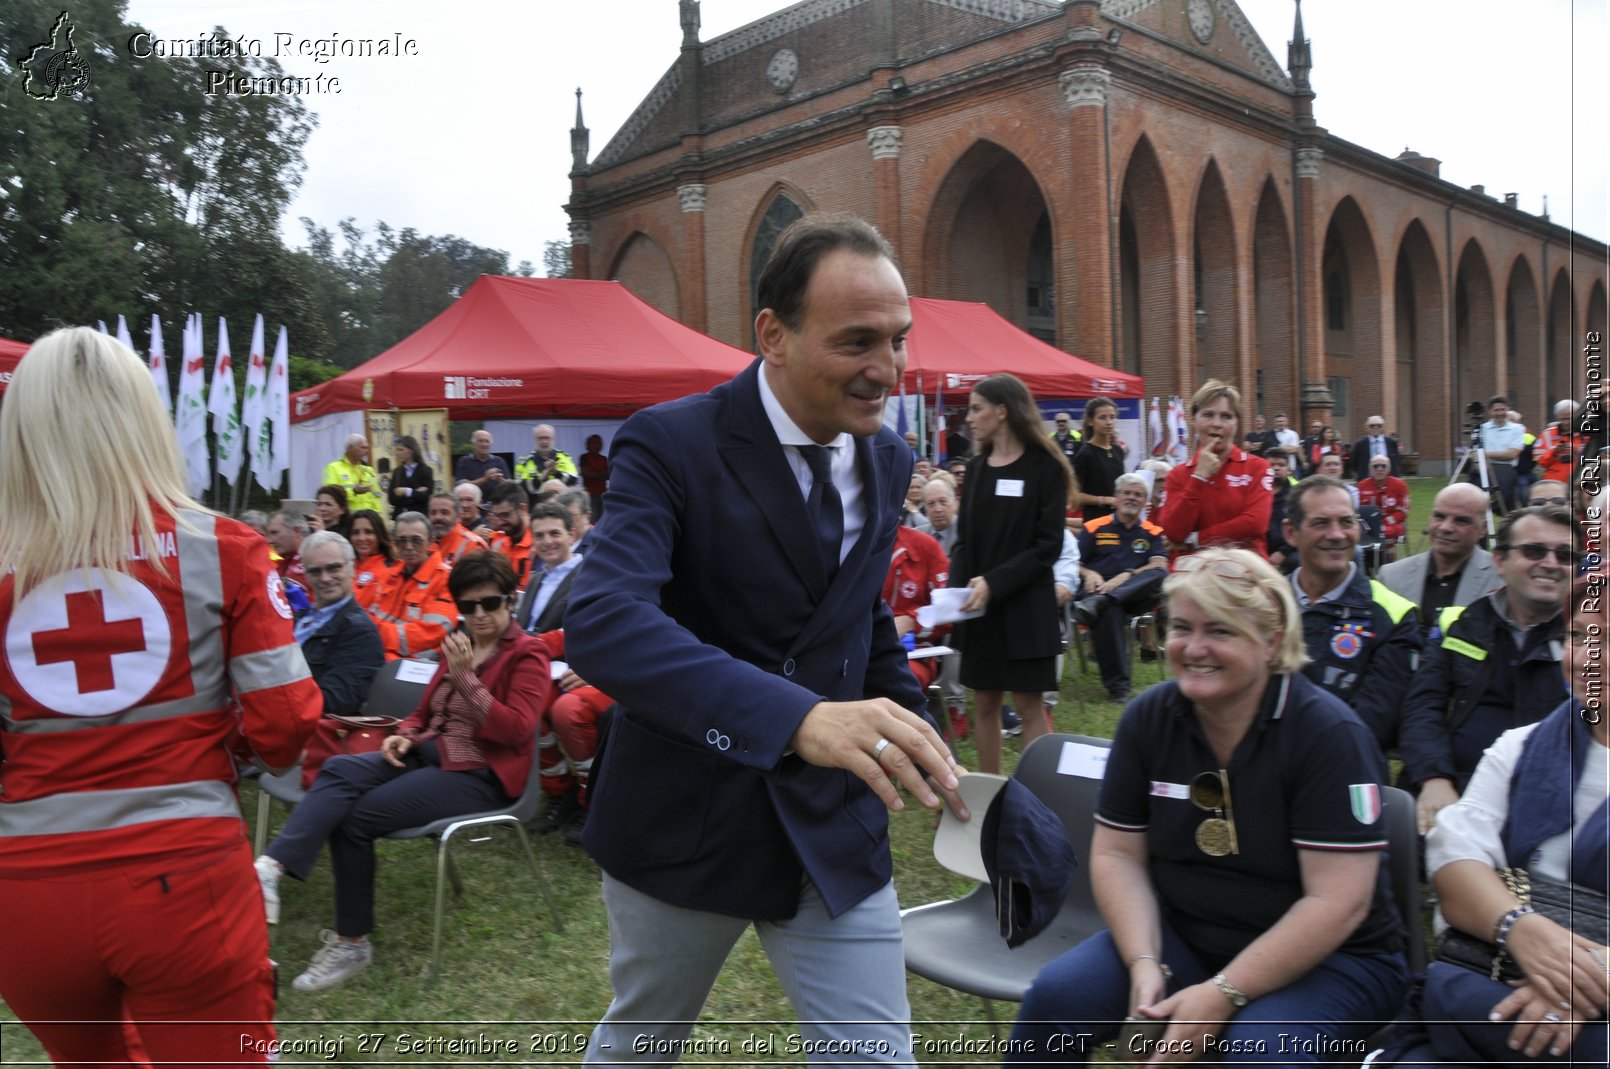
1388	493
147	642
917	568
1222	495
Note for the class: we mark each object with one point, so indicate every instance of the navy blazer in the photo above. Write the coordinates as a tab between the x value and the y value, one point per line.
1360	456
344	656
705	610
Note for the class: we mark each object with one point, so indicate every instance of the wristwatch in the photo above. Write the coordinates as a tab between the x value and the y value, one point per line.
1230	991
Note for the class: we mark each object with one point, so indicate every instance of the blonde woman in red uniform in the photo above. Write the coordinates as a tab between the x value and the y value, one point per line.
147	642
1222	495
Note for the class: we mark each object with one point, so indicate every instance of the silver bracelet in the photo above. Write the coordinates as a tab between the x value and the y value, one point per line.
1168	974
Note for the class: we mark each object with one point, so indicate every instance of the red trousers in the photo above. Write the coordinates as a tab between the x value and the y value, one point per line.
569	740
162	962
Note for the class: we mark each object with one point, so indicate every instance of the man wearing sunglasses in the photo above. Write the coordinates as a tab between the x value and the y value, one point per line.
1493	665
413	609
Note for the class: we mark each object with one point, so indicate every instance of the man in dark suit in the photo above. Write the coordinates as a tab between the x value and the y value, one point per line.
766	716
1375	441
339	640
553	570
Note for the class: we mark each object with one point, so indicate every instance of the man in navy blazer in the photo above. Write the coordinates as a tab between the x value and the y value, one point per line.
765	706
1375	440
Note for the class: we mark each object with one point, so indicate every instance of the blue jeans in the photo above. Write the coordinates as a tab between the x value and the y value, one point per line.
1080	999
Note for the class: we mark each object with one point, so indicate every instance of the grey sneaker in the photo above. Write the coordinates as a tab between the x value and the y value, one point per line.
268	878
336	962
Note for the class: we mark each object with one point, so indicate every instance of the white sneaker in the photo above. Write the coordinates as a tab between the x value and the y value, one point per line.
336	962
268	878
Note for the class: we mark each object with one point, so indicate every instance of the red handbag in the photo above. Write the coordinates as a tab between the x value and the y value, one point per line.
335	736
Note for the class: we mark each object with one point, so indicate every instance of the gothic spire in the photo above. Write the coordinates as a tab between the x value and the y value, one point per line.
690	22
579	139
1299	60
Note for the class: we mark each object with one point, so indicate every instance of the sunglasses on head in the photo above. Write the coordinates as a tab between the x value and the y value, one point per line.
489	604
1229	569
1536	551
1210	792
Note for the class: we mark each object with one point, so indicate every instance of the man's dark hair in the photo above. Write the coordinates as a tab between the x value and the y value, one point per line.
1312	484
479	568
1497	399
552	510
511	492
1559	515
800	247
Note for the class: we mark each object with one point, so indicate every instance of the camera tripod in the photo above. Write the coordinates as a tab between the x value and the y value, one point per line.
1495	497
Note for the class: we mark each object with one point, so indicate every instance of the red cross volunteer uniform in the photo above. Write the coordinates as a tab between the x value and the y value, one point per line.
124	862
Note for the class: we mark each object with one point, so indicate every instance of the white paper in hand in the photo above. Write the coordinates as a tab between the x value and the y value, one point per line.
946	608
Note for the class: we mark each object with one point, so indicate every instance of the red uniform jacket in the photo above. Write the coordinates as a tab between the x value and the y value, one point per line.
414	612
1231	510
127	694
457	542
1392	499
370	576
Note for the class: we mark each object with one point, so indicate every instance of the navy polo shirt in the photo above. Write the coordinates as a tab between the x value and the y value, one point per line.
1108	547
1302	778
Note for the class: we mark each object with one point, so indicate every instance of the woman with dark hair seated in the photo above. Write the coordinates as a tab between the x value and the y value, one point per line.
377	559
330	509
1238	853
1539	801
468	748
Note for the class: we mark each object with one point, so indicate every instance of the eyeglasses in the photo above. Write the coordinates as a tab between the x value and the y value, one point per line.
1548	501
318	570
489	604
411	540
1210	792
1536	551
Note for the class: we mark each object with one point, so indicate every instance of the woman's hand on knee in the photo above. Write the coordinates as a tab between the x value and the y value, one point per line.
395	748
1539	1022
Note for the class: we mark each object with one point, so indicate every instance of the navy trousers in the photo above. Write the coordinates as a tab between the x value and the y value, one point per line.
358	798
1138	594
1457	1002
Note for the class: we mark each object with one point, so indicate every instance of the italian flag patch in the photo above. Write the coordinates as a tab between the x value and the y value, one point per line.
1366	800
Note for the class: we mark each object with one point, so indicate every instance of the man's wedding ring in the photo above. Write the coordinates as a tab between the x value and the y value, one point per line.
878	748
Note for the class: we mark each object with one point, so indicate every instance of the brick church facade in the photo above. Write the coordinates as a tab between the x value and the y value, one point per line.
1136	181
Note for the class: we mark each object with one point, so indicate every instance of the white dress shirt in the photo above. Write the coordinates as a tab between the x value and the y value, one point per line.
846	475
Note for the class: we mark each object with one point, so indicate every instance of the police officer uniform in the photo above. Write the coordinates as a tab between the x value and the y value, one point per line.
1363	641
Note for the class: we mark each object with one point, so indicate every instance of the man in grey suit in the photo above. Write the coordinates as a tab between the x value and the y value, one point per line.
1455	570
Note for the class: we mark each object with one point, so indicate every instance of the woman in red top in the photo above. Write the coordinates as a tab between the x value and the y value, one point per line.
1222	495
377	560
593	467
468	748
1325	444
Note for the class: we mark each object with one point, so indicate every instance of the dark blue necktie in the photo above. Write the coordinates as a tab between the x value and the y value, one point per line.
824	505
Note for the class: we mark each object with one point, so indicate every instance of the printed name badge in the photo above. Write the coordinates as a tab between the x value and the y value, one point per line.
1083	760
1161	789
1009	488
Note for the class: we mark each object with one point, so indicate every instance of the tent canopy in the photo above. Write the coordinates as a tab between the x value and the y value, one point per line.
954	344
10	354
526	347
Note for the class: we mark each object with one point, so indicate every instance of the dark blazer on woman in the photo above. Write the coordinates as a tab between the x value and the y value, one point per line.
1020	583
422	479
518	678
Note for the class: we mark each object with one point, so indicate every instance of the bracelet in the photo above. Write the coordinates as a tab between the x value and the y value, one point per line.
1168	974
1237	997
1506	924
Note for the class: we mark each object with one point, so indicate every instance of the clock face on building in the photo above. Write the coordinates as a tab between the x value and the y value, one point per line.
782	70
1200	14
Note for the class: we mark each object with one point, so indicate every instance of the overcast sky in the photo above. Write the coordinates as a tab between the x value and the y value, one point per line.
471	136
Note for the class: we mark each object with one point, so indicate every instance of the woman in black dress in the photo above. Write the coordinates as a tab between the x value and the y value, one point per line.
412	481
1016	497
1101	458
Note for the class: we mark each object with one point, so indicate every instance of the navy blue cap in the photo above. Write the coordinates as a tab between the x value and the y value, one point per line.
1029	861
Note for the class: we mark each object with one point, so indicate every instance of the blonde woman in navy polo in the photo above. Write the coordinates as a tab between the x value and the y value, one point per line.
1238	855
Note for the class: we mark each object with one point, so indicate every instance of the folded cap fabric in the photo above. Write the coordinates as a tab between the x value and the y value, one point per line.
958	844
1029	862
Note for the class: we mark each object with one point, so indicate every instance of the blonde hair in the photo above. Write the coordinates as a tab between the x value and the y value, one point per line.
1211	391
1255	604
90	458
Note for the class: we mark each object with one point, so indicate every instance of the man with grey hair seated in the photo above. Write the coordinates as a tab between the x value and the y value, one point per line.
1122	565
338	639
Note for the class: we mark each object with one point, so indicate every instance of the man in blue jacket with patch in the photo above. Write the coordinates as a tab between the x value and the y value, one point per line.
732	605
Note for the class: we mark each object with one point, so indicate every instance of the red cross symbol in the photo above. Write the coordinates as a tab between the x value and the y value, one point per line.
90	641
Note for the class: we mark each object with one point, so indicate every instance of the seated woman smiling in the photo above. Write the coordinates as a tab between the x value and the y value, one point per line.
1237	856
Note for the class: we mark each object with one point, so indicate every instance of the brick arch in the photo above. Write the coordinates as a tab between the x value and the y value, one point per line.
980	228
1274	385
1216	296
748	269
643	266
1148	321
1475	322
1424	409
1596	316
1349	273
1559	342
1522	343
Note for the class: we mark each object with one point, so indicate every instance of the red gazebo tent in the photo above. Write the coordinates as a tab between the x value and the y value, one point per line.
10	353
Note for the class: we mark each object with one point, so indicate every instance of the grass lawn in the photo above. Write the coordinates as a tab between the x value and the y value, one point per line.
509	978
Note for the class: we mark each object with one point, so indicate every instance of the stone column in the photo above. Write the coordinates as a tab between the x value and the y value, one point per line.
884	141
1087	223
691	197
1316	401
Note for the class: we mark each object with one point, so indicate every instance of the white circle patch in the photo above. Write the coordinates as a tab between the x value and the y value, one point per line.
88	643
276	594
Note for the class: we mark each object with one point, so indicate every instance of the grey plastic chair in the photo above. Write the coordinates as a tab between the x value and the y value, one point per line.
957	943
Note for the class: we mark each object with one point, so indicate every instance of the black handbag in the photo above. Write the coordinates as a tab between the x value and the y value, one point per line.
1582	910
